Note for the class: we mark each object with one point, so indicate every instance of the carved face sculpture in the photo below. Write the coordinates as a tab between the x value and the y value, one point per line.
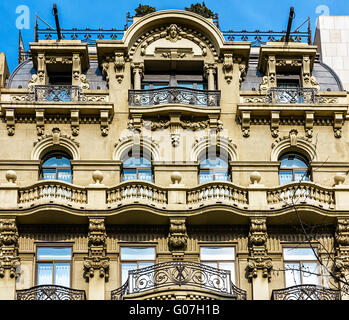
173	31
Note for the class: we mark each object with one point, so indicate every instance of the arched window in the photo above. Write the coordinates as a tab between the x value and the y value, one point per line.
293	167
214	167
56	166
137	166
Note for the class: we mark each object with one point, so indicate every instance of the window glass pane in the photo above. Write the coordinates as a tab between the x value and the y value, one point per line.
125	267
62	274
136	162
217	254
145	86
221	175
300	175
145	175
205	176
45	273
159	85
299	254
185	84
57	162
200	86
214	162
292	274
286	176
49	174
310	273
138	254
290	161
145	264
130	174
230	266
64	175
54	254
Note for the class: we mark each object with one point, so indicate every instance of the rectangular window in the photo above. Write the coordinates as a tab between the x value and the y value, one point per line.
134	259
53	266
301	266
222	258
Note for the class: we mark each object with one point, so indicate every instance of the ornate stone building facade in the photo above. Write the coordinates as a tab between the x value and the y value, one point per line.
173	164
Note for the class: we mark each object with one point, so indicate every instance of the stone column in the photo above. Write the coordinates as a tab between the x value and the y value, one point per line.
210	71
96	265
138	69
9	260
259	264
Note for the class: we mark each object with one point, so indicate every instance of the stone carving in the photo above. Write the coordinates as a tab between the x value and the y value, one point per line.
178	235
172	33
258	255
84	84
105	67
10	121
96	259
228	66
264	85
119	66
9	247
341	266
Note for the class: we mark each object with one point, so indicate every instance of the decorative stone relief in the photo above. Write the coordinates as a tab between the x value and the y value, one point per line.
104	119
40	121
10	121
9	247
337	124
258	256
119	66
228	66
172	33
246	123
74	121
96	259
274	123
309	123
177	236
341	265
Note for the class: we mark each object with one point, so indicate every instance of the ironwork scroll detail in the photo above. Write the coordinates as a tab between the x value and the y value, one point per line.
306	292
51	292
175	95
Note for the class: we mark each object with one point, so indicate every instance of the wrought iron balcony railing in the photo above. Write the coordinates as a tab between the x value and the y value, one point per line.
57	93
306	292
174	273
50	292
292	95
176	95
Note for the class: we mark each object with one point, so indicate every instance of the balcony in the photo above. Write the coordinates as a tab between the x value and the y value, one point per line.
173	275
306	292
50	292
185	100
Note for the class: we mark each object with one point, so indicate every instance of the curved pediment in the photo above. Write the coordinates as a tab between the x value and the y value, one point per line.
177	33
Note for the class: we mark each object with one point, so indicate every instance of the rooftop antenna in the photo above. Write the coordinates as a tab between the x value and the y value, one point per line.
290	18
55	13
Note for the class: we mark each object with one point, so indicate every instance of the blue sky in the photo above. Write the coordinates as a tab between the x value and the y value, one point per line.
233	14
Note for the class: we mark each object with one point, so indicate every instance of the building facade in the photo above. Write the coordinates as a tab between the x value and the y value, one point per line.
173	164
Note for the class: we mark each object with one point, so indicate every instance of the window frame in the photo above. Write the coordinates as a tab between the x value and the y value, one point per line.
53	246
215	246
137	168
300	262
53	154
206	156
121	261
294	170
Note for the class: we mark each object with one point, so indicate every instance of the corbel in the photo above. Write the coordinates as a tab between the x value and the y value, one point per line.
228	66
178	237
309	123
274	123
41	69
74	122
306	71
40	121
119	66
337	124
104	120
271	71
76	69
246	123
175	122
10	121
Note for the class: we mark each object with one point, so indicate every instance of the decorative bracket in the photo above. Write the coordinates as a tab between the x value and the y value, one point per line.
274	123
104	118
309	123
246	123
74	122
10	121
119	66
40	121
228	66
178	237
337	124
